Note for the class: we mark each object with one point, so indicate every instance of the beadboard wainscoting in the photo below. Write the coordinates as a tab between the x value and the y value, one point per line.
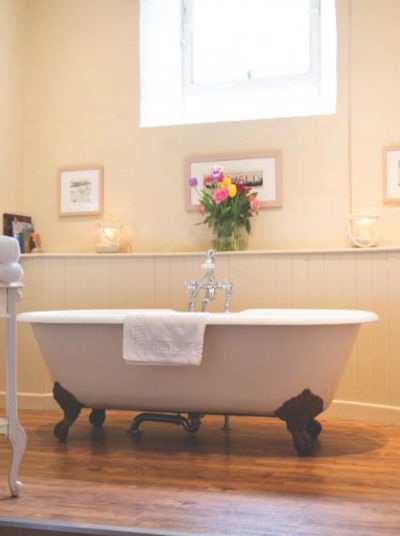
349	278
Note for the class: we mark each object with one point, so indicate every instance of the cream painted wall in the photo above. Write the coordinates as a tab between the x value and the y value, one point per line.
12	59
375	104
83	107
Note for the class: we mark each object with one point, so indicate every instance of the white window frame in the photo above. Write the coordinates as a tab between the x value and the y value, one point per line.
167	98
311	78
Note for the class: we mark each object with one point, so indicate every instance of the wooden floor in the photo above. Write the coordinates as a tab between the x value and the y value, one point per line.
247	482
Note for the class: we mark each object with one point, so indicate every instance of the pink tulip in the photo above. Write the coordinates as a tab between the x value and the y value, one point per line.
220	195
254	204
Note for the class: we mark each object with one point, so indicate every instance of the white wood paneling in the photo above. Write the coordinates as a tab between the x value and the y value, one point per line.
380	304
394	328
330	279
345	287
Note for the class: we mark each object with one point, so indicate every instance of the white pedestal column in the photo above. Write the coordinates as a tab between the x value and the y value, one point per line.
10	426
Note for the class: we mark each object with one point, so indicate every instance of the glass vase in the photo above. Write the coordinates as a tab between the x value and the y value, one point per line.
235	240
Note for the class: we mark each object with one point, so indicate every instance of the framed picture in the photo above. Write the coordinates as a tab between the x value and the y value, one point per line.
261	172
15	223
391	175
81	191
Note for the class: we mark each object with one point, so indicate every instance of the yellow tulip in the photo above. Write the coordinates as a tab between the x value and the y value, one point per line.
227	181
232	190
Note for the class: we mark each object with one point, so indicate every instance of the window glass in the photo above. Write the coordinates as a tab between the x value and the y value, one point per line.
236	40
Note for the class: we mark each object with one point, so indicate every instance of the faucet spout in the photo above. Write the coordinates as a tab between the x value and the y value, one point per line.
209	263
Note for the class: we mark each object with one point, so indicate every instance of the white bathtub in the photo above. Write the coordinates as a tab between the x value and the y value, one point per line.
253	363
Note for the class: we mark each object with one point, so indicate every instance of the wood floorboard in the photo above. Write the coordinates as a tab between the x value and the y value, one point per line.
246	483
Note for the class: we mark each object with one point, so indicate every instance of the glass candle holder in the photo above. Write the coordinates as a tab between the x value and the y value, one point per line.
108	237
363	229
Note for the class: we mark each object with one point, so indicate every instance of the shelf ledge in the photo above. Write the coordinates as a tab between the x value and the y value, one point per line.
325	251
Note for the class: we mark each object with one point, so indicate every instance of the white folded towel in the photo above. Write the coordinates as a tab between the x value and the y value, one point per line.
156	338
9	249
11	273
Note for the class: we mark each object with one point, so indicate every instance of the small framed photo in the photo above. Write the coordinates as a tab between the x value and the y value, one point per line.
81	191
13	224
261	172
391	175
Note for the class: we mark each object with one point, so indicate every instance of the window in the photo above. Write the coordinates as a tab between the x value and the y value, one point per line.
262	40
224	60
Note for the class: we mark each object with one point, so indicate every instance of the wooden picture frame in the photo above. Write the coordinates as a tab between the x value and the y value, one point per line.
261	171
80	190
391	175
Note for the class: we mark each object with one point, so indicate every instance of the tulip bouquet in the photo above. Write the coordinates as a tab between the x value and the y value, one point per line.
227	207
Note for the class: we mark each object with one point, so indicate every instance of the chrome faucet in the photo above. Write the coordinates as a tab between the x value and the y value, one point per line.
210	285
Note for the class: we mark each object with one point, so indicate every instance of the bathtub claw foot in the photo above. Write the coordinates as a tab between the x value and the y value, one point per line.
299	414
314	428
97	417
303	442
71	407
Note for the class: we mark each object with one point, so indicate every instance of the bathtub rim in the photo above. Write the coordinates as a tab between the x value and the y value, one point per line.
246	317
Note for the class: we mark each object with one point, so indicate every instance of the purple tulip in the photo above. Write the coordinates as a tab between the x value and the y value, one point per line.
217	173
193	182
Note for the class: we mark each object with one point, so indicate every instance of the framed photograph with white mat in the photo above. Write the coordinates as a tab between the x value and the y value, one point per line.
262	172
80	191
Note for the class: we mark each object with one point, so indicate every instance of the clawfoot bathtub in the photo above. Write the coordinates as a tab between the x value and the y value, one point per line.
285	363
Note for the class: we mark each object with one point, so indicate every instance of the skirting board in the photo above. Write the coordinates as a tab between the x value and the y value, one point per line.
38	401
341	409
362	411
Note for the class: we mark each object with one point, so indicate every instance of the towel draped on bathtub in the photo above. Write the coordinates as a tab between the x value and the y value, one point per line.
156	338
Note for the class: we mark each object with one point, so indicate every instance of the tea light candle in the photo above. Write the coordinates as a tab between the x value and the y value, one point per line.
363	229
108	237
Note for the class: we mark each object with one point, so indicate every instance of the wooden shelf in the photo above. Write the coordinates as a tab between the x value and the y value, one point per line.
245	253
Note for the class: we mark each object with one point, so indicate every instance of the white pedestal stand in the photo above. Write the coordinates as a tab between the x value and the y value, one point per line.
10	426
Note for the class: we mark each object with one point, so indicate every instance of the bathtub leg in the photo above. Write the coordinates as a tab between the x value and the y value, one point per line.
71	407
299	414
97	417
